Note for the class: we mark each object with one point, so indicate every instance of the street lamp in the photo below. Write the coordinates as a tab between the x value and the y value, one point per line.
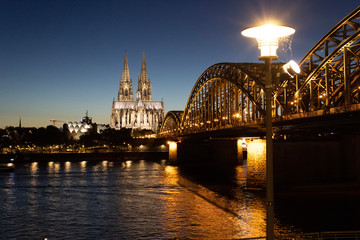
291	68
267	37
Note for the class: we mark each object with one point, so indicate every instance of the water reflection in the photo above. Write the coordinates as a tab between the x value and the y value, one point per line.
83	166
104	165
171	175
128	164
34	167
222	188
142	199
142	165
56	168
50	165
67	166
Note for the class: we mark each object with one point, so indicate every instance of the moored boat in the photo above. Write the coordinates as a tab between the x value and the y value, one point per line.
7	167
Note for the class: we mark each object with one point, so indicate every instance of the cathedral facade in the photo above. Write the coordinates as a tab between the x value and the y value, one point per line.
141	113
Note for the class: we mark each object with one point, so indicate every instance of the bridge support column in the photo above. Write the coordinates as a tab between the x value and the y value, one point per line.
240	155
172	152
224	152
256	163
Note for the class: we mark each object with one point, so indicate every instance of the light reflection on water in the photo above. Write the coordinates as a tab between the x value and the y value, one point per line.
67	166
129	200
222	188
83	166
119	200
128	164
34	168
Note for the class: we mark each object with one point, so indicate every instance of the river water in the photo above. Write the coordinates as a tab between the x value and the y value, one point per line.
151	200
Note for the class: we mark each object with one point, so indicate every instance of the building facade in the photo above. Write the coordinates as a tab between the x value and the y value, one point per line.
141	113
77	129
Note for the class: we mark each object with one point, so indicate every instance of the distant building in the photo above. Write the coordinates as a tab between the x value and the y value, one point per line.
143	113
85	126
101	127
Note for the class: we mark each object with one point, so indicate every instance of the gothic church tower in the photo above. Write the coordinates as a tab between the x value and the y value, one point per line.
144	84
125	90
143	113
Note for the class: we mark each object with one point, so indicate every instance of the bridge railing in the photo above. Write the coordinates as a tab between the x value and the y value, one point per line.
317	235
328	235
318	113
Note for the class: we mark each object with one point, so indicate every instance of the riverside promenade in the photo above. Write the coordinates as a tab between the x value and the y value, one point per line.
63	157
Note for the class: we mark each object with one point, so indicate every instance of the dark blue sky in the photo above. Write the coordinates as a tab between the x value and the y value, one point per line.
61	58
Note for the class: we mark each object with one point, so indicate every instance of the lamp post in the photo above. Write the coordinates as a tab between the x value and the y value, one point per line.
267	37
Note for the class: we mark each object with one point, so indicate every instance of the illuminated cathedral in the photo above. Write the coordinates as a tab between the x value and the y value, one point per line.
143	113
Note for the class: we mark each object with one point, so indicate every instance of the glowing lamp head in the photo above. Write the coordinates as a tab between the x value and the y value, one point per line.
291	68
267	37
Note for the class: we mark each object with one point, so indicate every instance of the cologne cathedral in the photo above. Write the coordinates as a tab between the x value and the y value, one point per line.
143	113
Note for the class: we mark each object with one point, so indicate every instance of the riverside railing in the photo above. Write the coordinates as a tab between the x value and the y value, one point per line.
338	235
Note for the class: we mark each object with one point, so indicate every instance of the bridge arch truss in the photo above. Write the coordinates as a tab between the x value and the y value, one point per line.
226	95
330	71
171	123
229	95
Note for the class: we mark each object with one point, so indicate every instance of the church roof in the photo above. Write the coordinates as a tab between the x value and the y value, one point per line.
149	105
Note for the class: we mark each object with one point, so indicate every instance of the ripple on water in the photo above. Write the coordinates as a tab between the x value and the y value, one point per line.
134	200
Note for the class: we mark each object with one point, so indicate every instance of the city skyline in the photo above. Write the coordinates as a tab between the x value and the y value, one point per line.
62	58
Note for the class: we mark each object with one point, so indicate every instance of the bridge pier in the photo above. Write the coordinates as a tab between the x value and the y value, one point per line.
240	152
256	163
301	162
172	152
196	151
325	161
306	162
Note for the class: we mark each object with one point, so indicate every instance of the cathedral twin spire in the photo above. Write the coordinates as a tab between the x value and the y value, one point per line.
126	73
140	113
144	84
143	73
125	90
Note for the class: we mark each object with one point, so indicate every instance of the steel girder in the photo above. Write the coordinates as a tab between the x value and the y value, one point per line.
226	95
171	123
329	71
232	94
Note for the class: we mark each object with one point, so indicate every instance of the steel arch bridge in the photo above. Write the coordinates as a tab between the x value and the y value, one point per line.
229	95
171	123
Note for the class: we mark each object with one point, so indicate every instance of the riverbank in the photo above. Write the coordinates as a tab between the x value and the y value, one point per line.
63	157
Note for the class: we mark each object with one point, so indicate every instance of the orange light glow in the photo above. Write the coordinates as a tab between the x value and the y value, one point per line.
172	151
67	166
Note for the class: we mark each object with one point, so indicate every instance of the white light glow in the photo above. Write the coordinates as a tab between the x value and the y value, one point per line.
268	32
268	37
291	68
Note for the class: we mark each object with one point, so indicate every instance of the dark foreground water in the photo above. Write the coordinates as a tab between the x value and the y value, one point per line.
150	200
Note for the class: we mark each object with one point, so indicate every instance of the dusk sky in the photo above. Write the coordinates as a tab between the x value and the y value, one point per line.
59	59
